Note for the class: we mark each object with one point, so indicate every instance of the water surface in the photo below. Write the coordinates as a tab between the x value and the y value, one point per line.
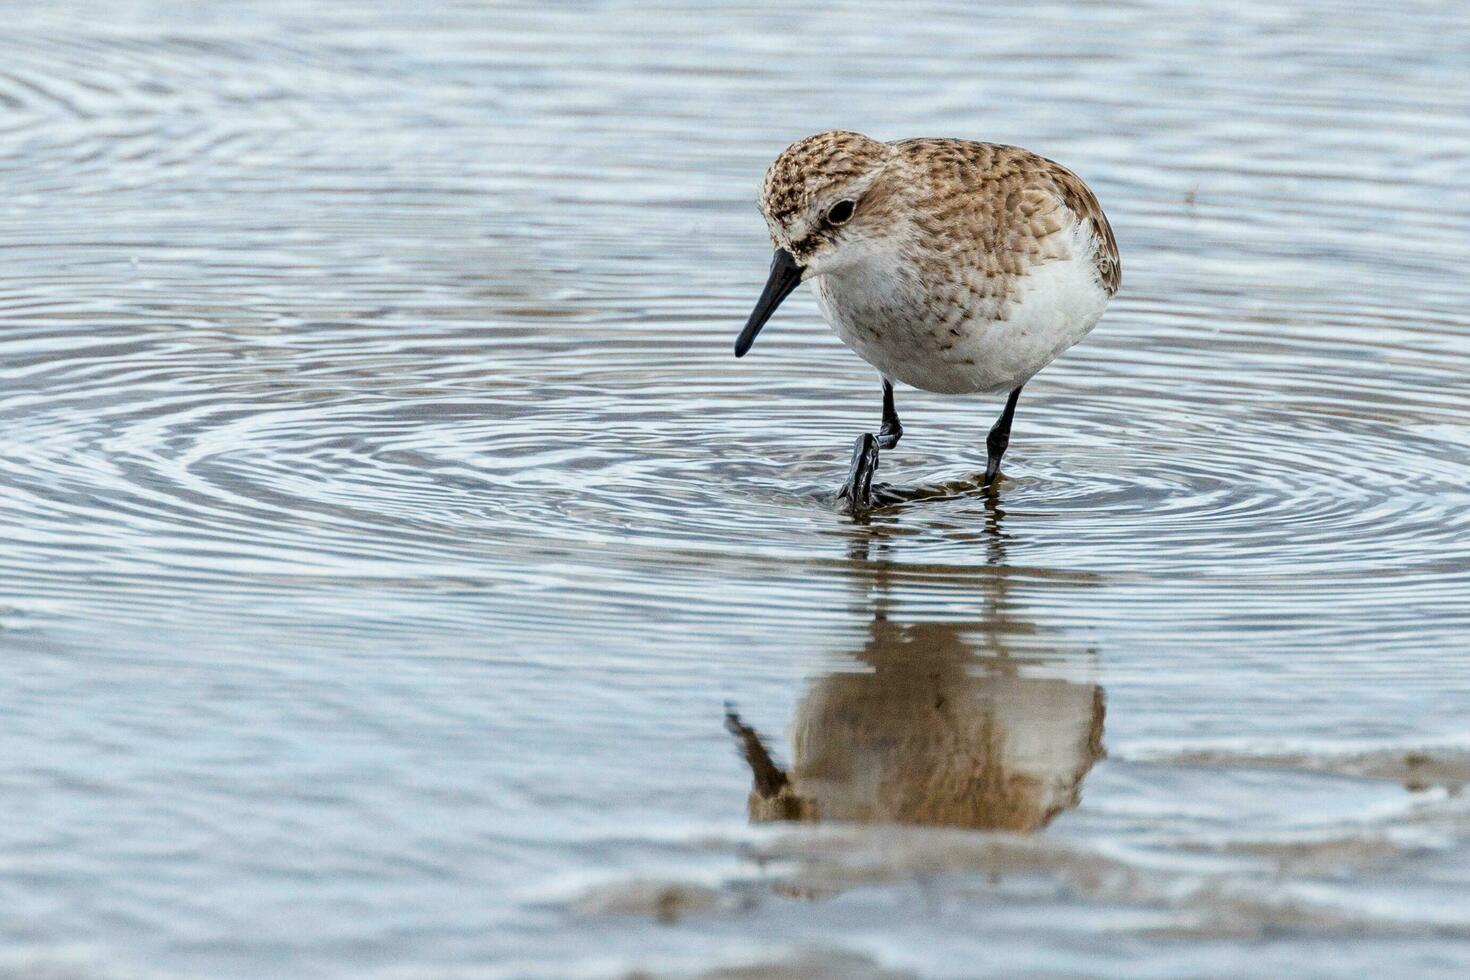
388	525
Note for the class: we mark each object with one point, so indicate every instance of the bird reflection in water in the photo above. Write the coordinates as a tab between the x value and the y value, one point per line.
965	724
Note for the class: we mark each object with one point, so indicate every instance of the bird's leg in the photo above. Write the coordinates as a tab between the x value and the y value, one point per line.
892	429
999	439
858	490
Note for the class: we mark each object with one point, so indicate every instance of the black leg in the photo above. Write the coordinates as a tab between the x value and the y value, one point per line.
858	490
892	429
1000	438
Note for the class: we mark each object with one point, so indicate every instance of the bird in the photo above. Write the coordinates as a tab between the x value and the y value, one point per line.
935	731
950	265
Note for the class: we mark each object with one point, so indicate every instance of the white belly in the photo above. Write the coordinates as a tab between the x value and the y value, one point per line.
944	340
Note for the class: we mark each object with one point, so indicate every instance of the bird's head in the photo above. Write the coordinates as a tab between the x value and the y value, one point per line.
831	201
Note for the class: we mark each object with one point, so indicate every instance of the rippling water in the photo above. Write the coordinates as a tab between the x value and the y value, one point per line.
388	525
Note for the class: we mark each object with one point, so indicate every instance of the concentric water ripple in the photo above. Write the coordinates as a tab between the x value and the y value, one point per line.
195	452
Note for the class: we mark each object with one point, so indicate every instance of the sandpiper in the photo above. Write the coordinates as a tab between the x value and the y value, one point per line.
950	265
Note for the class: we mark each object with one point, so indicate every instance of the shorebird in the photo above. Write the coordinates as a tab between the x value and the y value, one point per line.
952	266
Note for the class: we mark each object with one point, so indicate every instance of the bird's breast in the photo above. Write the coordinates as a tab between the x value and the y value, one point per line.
963	330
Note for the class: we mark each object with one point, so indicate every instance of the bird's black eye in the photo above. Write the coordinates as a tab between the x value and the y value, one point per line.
840	212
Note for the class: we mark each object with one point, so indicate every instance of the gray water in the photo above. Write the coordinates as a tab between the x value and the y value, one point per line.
387	524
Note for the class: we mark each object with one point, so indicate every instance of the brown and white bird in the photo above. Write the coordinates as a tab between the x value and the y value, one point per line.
952	266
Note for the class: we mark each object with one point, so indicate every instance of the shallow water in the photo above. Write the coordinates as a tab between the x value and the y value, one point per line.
388	524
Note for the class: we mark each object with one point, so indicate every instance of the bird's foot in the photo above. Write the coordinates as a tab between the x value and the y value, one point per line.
856	494
992	474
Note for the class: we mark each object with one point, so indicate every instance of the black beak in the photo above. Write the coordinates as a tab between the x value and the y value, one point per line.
785	276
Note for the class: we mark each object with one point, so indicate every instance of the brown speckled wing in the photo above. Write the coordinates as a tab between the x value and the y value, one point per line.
1001	208
1080	201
